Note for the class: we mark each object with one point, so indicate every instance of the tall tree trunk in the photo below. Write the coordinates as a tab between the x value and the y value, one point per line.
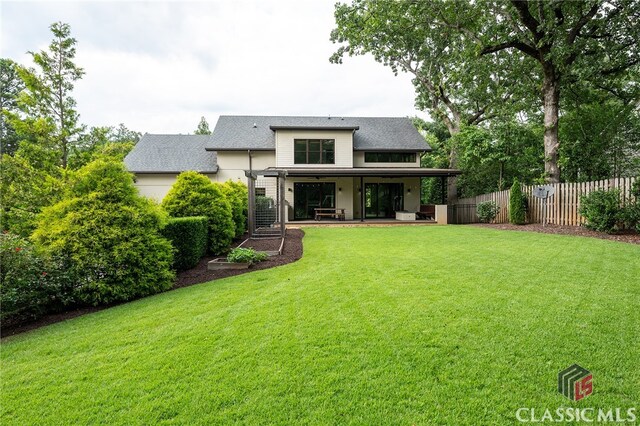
551	94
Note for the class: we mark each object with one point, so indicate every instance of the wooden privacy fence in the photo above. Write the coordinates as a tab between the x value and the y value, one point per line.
561	209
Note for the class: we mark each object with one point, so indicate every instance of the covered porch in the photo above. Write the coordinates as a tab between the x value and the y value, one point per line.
347	195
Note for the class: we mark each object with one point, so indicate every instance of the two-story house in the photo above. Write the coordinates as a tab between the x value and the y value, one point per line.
350	163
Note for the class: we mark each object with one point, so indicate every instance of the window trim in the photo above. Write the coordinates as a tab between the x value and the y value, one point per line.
406	157
322	142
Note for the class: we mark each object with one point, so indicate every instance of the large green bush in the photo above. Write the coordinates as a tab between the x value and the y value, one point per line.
487	211
30	286
517	205
193	194
237	195
601	209
188	236
109	235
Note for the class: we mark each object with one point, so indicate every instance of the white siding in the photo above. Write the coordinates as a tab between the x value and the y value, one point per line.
343	147
156	186
232	164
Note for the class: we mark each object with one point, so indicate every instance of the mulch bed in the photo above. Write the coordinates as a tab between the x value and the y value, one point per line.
291	251
625	237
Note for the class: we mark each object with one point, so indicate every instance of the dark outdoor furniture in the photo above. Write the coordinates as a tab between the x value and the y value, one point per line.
329	212
427	212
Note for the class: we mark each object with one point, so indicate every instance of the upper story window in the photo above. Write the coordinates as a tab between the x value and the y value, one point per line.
390	157
314	151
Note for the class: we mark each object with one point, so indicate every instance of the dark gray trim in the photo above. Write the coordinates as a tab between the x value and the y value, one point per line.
392	150
370	172
239	149
314	128
171	172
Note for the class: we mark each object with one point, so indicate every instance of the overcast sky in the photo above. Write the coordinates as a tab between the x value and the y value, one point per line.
158	67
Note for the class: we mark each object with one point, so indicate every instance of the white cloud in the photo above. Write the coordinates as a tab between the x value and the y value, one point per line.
158	67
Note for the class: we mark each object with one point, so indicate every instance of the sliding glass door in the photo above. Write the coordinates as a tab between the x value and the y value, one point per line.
382	200
308	196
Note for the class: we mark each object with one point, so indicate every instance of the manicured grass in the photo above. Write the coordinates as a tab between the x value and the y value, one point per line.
403	325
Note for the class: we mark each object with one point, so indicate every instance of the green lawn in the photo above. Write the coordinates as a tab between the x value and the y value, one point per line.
404	325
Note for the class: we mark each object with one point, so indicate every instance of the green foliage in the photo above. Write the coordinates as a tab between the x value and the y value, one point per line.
48	93
245	255
600	138
437	136
517	205
193	194
237	195
29	183
10	87
630	216
203	127
630	213
107	143
188	236
493	156
30	286
109	235
487	211
601	209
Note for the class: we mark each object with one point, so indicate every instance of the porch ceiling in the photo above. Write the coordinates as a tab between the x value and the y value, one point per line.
374	172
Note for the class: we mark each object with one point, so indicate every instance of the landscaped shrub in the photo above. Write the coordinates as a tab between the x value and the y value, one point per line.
630	216
237	195
245	255
29	285
487	211
517	205
188	236
601	209
109	235
193	194
265	211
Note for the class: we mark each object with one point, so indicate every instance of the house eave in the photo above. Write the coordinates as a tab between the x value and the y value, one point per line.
368	172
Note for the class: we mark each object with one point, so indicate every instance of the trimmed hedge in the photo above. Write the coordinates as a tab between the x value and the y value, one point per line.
188	236
193	194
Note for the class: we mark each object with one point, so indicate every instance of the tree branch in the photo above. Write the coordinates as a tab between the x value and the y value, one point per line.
584	19
527	18
521	46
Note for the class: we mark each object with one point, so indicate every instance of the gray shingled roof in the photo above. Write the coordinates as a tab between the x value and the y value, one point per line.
172	154
374	133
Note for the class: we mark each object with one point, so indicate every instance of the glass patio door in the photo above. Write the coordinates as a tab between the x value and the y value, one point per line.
382	200
308	196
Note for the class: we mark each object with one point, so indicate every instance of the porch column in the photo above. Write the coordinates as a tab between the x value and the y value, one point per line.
361	199
281	200
444	188
252	206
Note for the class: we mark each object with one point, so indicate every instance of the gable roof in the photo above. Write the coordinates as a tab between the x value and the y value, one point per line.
241	132
171	154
